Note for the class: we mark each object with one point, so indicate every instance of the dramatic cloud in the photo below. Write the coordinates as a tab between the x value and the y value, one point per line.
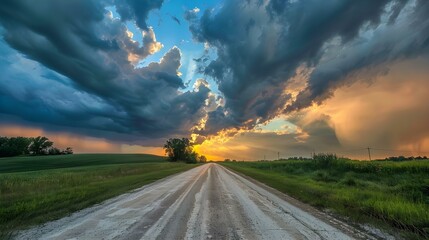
408	37
137	10
389	113
261	44
97	68
92	83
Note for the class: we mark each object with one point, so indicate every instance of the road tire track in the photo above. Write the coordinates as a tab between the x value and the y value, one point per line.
206	202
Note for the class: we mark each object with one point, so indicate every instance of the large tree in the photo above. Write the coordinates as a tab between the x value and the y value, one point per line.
40	145
181	150
14	146
178	149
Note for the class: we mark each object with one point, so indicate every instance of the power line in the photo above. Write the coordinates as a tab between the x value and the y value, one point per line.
396	150
380	149
363	151
353	150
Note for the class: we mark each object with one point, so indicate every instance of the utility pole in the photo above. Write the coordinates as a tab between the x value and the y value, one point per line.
264	157
278	155
369	153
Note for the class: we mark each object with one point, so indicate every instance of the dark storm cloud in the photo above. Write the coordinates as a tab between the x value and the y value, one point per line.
100	90
76	66
407	38
137	10
260	46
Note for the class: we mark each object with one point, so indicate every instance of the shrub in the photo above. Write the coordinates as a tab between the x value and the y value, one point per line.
325	159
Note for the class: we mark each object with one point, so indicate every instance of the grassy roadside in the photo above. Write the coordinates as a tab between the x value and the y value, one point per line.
389	194
53	187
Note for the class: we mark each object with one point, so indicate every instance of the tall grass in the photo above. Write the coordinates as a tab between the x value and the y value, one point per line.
56	189
394	194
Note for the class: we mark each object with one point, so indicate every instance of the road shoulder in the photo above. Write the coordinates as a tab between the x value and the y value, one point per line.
340	222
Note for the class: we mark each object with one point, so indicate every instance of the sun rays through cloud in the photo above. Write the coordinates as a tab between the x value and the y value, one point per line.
242	79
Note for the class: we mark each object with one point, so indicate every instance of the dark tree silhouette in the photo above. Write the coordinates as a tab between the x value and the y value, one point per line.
16	146
53	151
40	145
181	150
202	159
178	149
68	150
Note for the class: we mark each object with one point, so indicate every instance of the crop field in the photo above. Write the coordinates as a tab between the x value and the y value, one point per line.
35	190
392	195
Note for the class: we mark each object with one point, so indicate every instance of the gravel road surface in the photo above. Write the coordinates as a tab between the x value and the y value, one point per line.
207	202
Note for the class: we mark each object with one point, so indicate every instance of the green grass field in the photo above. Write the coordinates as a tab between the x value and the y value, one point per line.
35	190
394	195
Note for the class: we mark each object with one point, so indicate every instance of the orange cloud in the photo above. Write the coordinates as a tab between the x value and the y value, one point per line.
392	112
140	149
389	112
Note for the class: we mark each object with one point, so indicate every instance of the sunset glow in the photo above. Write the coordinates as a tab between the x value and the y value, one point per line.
244	80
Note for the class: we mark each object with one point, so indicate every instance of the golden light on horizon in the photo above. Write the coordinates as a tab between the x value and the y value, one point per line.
360	114
80	144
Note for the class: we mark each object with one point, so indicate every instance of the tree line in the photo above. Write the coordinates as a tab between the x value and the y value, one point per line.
17	146
181	149
402	158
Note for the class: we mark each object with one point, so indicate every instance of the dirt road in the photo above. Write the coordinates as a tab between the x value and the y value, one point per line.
207	202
